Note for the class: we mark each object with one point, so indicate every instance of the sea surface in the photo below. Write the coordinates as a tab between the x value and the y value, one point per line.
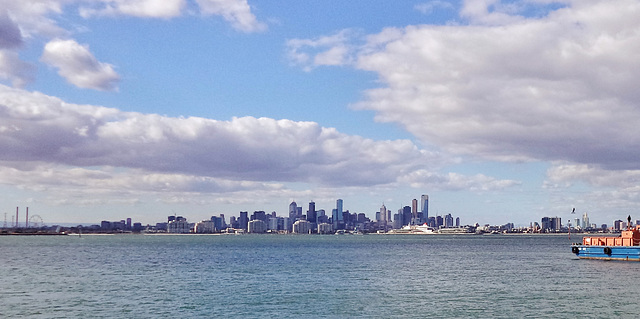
310	276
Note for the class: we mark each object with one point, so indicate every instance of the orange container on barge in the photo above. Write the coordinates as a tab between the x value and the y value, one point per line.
624	247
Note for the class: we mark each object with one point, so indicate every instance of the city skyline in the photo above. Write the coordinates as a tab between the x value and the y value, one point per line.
501	110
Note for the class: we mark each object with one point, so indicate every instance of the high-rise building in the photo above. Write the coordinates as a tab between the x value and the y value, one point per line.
424	207
293	210
585	221
311	214
339	208
383	215
406	215
243	220
414	208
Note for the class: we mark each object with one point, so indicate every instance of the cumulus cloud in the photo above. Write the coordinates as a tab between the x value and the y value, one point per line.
78	65
36	127
97	152
236	12
10	36
429	7
334	50
136	8
20	73
558	87
505	86
26	20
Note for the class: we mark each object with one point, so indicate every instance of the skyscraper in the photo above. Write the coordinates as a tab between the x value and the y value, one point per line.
243	221
311	214
293	211
339	208
383	215
414	208
424	207
585	221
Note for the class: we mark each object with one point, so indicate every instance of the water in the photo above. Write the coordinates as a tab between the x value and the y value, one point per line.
144	276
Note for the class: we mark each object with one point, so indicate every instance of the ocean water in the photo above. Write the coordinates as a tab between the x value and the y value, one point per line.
288	276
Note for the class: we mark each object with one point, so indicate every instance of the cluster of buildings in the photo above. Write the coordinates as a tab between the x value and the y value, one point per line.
318	221
312	220
554	224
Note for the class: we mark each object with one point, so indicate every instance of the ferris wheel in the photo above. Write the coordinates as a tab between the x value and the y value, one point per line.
35	221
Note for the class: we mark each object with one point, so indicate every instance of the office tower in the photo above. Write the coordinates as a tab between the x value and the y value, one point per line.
585	221
243	220
424	207
414	208
383	215
339	208
334	218
406	215
448	221
311	214
293	210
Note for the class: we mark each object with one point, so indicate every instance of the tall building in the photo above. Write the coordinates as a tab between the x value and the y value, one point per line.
414	208
339	208
406	215
311	214
293	210
424	207
585	221
383	215
243	221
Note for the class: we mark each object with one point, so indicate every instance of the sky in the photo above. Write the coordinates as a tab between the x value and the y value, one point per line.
500	111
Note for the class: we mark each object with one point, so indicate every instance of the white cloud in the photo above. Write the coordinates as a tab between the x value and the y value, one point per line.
78	65
90	154
39	128
557	87
236	12
20	73
429	7
327	50
136	8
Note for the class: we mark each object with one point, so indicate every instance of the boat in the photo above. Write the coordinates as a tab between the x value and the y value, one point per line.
423	229
625	247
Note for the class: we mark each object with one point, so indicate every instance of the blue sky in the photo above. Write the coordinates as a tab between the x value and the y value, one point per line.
501	111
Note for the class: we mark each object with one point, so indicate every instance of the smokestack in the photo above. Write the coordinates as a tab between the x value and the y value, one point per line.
26	222
17	216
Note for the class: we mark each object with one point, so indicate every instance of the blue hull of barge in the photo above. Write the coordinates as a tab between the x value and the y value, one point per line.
626	253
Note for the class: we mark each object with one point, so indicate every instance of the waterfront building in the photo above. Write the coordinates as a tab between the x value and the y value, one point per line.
301	227
257	226
551	223
178	225
339	209
424	207
398	220
448	221
577	221
273	223
205	227
325	228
